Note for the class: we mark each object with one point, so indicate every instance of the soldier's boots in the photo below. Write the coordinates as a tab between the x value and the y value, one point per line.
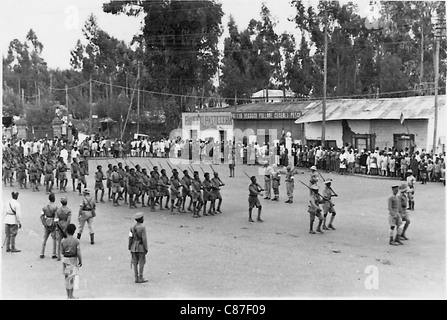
392	242
397	240
141	279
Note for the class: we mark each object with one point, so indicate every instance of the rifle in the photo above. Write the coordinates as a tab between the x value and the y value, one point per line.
325	199
250	180
335	195
161	168
169	165
202	169
150	162
60	229
192	169
212	168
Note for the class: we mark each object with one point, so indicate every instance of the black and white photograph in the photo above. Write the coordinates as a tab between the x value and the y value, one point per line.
222	153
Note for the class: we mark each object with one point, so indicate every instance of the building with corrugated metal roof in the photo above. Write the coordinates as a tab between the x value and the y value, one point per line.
370	123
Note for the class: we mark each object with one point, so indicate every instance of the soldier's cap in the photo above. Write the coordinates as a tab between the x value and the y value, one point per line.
395	186
328	181
314	187
87	190
313	168
403	187
410	171
138	215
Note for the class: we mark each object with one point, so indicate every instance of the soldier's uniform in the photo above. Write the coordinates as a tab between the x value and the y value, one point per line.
186	189
49	177
175	191
132	188
33	175
314	209
268	172
313	177
328	206
403	203
74	172
253	201
87	212
196	194
290	183
62	168
138	247
164	189
411	180
276	182
21	175
47	217
63	218
116	186
216	184
153	190
99	177
394	217
208	195
81	176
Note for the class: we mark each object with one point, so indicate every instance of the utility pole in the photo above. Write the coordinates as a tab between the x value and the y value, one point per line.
323	124
91	108
66	99
438	35
138	98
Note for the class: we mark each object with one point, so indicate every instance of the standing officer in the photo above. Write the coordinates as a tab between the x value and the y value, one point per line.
411	180
394	218
87	211
12	220
164	190
47	218
62	220
276	182
328	205
254	189
403	203
216	184
290	182
99	177
138	247
314	209
268	172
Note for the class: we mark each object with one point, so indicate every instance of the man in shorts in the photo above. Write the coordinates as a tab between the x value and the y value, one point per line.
314	209
175	191
254	189
72	260
404	214
196	194
99	177
164	189
116	185
208	194
48	169
394	217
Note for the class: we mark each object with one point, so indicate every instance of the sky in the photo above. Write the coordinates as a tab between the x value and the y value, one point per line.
58	23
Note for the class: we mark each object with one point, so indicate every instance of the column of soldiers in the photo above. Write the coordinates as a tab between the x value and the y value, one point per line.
138	188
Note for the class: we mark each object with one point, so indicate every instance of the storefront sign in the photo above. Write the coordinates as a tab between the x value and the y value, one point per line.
208	120
267	115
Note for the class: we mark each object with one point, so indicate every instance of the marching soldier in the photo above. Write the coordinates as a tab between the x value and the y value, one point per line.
62	220
116	185
21	174
328	206
139	185
138	247
394	218
81	176
157	176
403	203
87	212
33	172
62	168
216	184
74	172
145	180
47	218
186	190
153	192
254	189
313	176
132	188
109	181
196	194
175	191
164	189
7	172
208	194
99	177
314	209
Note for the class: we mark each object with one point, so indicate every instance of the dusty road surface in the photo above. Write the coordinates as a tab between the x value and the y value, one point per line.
225	256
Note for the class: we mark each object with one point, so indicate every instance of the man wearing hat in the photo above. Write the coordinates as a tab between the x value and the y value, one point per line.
87	211
254	190
138	247
290	182
268	172
12	221
411	180
394	218
328	206
313	176
314	209
403	203
62	220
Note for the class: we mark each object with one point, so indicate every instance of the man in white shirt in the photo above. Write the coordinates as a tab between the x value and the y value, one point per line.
64	154
12	222
74	153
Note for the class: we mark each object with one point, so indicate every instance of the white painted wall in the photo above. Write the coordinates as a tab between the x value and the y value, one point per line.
334	131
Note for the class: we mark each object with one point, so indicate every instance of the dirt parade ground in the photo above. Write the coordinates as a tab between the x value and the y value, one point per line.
226	256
